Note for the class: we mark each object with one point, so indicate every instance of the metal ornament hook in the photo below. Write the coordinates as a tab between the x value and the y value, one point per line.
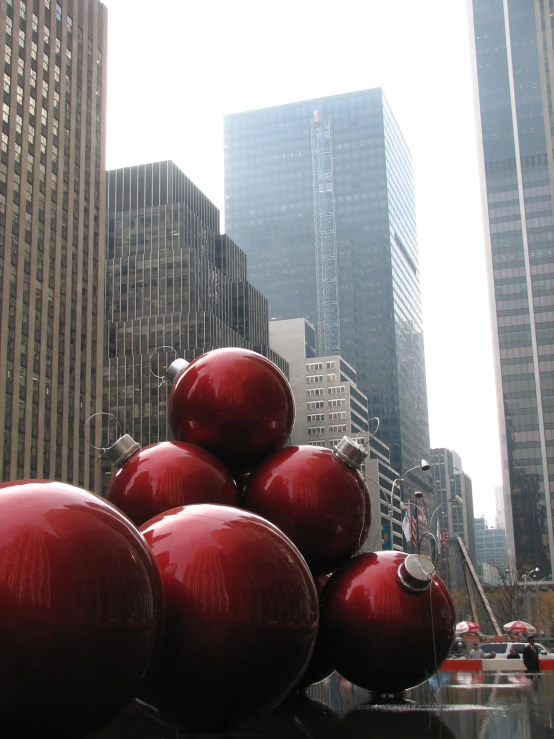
100	449
373	418
158	349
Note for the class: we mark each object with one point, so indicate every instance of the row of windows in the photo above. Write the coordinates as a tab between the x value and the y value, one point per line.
314	404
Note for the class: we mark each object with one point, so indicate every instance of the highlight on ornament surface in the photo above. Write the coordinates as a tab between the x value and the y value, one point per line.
233	402
242	617
81	609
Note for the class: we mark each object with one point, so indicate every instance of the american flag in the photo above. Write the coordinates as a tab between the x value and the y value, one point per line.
445	537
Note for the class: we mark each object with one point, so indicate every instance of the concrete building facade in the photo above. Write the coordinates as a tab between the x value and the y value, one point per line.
52	236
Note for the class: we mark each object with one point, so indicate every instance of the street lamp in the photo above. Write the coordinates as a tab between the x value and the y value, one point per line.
526	577
425	466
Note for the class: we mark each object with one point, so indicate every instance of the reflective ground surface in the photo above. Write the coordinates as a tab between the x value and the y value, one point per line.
465	706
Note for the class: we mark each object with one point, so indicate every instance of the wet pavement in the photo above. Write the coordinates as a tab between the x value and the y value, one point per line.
464	706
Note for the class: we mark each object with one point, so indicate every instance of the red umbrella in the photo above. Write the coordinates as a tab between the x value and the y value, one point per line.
467	627
520	627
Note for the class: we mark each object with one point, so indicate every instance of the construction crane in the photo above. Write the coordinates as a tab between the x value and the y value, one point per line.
328	331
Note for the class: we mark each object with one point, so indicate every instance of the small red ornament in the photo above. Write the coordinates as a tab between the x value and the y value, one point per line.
233	402
166	475
81	608
386	621
242	616
317	500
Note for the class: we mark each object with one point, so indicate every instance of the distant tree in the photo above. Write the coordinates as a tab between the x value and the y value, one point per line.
545	610
460	599
506	598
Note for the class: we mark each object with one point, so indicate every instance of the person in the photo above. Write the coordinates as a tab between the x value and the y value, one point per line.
512	653
476	652
531	657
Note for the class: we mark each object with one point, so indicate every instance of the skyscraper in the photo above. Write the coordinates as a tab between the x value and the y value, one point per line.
172	280
52	236
513	70
320	196
456	520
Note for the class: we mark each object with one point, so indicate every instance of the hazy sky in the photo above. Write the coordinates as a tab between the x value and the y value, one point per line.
176	67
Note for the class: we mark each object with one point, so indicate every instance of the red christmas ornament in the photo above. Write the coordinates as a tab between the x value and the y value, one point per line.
242	616
386	621
319	501
80	610
233	402
166	475
320	666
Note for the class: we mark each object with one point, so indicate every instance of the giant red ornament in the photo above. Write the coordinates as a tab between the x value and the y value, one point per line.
166	475
80	610
387	621
316	499
320	666
233	402
242	615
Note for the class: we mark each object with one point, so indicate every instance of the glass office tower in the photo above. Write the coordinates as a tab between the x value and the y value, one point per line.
513	69
338	166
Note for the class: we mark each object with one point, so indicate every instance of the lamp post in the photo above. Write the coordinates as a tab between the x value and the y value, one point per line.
454	501
526	577
425	467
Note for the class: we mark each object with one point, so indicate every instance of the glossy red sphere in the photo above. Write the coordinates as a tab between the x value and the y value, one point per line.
235	403
320	666
242	617
81	608
167	475
321	504
379	635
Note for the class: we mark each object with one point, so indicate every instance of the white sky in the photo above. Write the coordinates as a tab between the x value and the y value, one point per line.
176	67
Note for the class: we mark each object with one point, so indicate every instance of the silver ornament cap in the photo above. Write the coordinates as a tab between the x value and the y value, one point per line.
122	450
175	369
350	452
415	574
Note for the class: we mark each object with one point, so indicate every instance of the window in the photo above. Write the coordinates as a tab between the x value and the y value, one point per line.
56	99
316	431
44	117
44	89
46	35
314	418
315	404
22	9
332	377
42	148
33	79
314	366
7	83
315	392
45	62
20	66
58	46
31	135
330	365
18	124
69	23
6	113
336	429
22	38
312	379
56	73
338	416
4	142
34	50
58	12
8	55
336	390
9	25
35	22
32	105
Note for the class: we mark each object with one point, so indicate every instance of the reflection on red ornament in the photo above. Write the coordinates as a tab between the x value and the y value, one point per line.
320	666
242	616
166	475
235	403
319	502
80	610
386	621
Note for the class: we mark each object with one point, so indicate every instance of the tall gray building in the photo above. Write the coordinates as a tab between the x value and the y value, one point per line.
52	236
490	550
514	79
320	196
450	518
171	280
